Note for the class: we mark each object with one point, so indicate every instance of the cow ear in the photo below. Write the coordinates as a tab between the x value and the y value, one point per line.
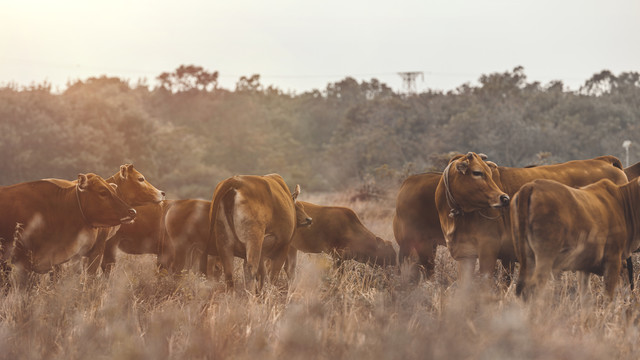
83	182
114	186
462	166
491	164
483	156
296	192
123	171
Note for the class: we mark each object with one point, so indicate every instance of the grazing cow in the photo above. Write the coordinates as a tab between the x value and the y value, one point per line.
172	229
466	195
253	217
56	222
632	171
590	229
338	231
416	225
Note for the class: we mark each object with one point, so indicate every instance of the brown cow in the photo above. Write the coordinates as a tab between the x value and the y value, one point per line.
135	190
171	229
253	217
338	231
590	229
474	230
56	222
416	225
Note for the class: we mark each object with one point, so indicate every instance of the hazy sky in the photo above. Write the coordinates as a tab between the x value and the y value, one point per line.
302	45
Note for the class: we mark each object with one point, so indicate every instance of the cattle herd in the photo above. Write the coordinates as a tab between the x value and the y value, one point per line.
579	216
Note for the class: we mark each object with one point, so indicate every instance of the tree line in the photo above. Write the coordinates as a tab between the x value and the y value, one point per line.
186	133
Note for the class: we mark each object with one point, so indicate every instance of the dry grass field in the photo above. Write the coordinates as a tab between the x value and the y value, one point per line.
354	312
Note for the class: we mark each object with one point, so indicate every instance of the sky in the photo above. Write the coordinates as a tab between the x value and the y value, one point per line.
302	45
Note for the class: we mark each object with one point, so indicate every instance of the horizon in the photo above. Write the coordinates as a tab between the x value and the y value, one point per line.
228	82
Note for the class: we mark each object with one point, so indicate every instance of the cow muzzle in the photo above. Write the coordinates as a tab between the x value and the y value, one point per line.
307	221
504	201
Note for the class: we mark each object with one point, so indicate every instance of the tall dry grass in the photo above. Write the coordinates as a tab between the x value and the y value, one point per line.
352	312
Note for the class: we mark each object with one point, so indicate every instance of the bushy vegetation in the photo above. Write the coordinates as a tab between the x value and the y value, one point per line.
186	134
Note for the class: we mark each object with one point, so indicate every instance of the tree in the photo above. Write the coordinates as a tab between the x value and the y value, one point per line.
189	78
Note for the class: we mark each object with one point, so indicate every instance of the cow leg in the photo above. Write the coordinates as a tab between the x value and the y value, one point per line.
254	253
522	279
95	255
427	260
403	253
487	257
527	260
583	286
276	265
224	241
166	255
226	257
611	275
262	274
290	263
542	272
109	255
466	267
425	250
216	267
179	258
629	266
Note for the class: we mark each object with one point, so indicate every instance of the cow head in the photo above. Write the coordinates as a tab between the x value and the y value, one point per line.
302	219
386	252
134	188
369	249
469	184
99	204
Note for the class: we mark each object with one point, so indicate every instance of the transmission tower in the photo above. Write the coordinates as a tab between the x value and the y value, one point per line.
409	80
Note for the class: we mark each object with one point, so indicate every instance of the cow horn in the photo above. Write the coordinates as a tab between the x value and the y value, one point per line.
296	192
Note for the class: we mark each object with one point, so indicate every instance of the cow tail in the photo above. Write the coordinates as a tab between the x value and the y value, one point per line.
519	227
219	196
213	214
229	204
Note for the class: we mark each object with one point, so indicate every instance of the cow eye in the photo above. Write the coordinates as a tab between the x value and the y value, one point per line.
104	193
477	173
141	179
